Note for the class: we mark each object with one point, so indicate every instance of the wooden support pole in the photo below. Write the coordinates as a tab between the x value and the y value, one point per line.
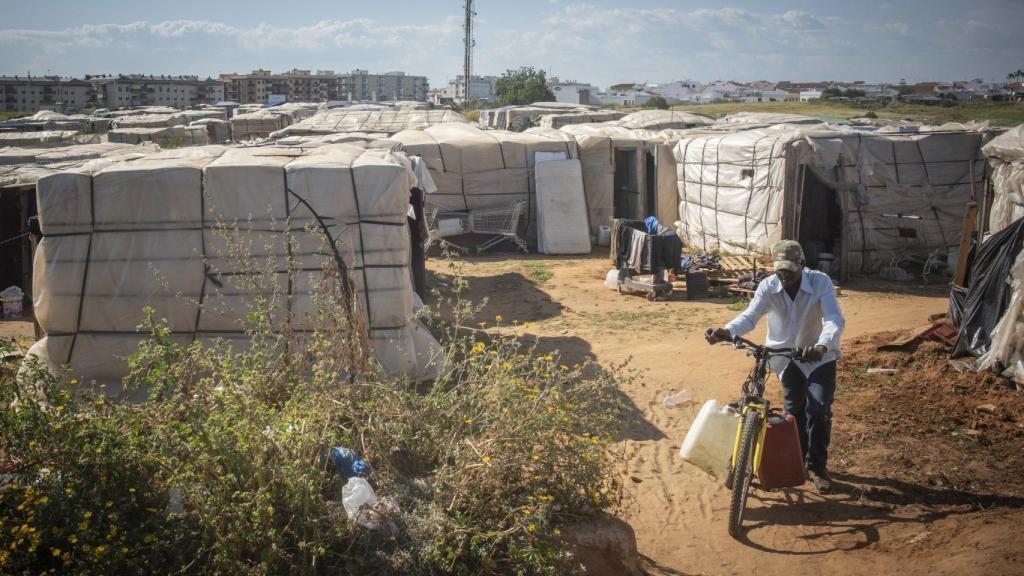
970	217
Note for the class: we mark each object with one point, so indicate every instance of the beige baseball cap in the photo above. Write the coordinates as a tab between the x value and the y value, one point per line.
788	255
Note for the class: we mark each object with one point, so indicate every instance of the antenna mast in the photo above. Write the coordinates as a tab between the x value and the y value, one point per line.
469	43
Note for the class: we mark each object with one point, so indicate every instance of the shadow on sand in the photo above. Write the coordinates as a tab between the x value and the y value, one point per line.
850	518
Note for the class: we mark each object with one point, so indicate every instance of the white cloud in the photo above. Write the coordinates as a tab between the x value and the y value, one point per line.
576	40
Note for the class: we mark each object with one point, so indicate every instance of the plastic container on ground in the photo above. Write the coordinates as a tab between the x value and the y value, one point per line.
450	227
709	443
611	279
782	464
604	236
13	299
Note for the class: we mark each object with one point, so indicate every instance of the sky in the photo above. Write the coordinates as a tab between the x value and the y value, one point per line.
600	42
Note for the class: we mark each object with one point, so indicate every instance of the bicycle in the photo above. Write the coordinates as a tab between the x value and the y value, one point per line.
750	432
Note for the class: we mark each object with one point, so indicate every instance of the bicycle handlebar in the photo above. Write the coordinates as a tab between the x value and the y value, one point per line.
740	343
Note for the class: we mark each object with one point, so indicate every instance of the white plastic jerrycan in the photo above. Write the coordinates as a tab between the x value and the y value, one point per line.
709	443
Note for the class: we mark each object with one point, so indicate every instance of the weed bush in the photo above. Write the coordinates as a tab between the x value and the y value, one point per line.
222	469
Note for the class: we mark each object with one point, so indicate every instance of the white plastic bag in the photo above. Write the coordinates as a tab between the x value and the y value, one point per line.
358	498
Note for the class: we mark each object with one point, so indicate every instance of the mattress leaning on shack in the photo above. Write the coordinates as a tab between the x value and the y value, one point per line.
121	236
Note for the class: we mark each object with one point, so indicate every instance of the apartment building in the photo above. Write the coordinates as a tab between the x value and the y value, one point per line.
35	93
155	90
481	88
300	85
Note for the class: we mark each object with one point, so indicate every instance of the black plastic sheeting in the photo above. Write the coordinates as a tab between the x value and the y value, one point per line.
988	292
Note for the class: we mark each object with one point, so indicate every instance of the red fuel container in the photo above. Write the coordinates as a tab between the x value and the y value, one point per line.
782	464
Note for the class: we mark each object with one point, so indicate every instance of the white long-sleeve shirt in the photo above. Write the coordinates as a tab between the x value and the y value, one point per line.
812	318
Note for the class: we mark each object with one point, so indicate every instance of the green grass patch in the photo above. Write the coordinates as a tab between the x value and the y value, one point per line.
540	273
739	305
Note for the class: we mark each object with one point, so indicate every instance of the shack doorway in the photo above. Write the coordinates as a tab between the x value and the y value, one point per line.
650	184
626	202
820	227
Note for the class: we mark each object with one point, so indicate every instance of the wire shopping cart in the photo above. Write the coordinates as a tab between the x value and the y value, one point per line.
499	223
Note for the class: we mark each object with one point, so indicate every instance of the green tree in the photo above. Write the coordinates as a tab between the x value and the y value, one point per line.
656	102
830	93
523	86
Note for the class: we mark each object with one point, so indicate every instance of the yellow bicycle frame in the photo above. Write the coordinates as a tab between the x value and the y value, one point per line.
759	446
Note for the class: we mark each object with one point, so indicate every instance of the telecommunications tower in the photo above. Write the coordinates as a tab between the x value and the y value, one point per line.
469	43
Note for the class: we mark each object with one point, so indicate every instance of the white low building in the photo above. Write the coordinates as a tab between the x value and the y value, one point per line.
808	95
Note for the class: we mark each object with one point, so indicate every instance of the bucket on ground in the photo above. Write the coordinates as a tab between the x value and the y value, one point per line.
13	300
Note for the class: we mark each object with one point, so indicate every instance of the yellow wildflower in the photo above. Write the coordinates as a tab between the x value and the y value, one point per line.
558	532
73	539
467	421
87	514
536	457
478	348
55	551
486	459
497	318
532	527
148	538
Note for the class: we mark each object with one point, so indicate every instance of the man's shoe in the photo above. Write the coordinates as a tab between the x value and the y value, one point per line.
822	481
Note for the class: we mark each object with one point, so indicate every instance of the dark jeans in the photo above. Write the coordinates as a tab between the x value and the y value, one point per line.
809	400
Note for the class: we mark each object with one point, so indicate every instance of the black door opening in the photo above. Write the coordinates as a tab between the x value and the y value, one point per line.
820	224
626	201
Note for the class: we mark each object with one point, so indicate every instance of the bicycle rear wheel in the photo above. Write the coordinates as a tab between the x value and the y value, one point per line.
743	471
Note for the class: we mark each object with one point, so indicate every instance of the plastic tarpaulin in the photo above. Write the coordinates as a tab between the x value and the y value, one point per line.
906	192
1005	155
474	168
152	232
1006	348
388	121
989	290
663	119
171	136
731	188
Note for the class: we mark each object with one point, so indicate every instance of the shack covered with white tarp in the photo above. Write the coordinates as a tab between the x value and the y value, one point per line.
217	131
519	117
46	138
149	121
478	169
867	198
663	119
167	136
259	124
158	232
626	173
378	121
588	117
1005	155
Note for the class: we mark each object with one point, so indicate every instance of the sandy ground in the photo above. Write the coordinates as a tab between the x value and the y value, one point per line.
879	521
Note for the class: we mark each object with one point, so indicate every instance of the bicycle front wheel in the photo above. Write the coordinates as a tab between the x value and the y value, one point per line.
743	471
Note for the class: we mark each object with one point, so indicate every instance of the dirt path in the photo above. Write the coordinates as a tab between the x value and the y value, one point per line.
876	523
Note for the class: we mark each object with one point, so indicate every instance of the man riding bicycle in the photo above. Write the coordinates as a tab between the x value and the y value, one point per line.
802	313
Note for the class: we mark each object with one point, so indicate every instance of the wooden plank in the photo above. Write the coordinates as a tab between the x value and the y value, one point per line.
970	216
844	240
